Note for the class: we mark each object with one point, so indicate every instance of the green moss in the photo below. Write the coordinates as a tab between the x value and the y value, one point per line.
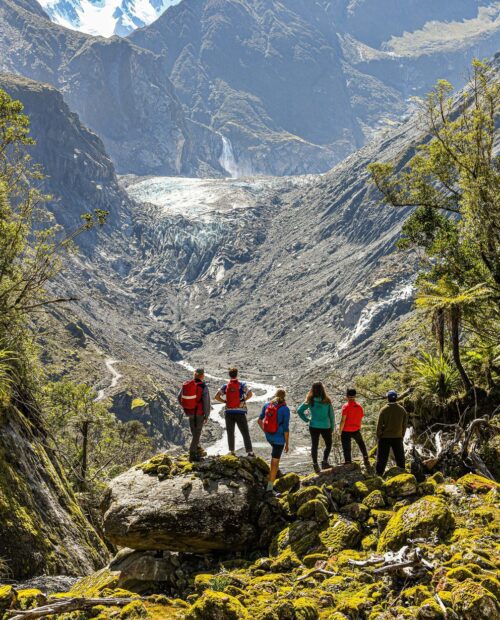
217	606
285	562
8	597
314	510
472	483
137	403
288	482
473	602
305	609
401	485
26	599
93	585
430	610
369	542
231	461
415	595
151	466
340	534
375	499
459	574
381	518
135	609
302	496
311	559
492	584
363	488
356	511
425	517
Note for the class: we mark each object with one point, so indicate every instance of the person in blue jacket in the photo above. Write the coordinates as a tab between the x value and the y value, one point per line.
317	411
276	409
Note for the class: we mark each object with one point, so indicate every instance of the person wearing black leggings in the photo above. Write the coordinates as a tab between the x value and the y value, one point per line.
317	412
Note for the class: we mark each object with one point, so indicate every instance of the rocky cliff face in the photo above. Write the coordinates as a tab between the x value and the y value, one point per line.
42	527
296	86
120	91
231	88
80	174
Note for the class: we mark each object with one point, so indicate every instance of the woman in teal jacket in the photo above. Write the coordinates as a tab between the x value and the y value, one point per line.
317	411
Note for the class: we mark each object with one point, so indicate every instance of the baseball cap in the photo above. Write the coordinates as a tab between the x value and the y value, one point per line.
392	396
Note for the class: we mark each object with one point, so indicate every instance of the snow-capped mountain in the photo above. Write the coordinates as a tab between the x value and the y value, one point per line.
105	17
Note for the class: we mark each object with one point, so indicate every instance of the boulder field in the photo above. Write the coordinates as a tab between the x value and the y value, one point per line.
204	542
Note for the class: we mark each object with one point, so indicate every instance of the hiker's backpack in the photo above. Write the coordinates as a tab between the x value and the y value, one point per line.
234	394
192	397
271	417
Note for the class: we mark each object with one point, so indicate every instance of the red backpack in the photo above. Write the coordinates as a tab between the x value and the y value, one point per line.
192	397
233	394
271	417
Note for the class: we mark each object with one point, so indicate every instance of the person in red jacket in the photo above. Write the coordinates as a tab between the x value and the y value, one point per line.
350	427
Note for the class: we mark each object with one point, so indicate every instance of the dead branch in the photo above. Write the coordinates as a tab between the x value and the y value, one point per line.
316	571
58	606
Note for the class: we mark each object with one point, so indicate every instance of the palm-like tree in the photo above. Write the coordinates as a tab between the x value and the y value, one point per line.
447	303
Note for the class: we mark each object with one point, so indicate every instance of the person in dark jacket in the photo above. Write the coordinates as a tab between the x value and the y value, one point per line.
391	429
197	410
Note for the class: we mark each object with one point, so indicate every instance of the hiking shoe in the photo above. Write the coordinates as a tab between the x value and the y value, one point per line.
202	451
325	465
194	458
251	454
316	468
368	465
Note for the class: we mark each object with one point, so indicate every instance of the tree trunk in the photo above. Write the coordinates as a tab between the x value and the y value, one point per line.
455	345
439	329
85	448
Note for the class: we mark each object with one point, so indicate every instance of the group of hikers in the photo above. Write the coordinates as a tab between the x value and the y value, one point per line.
274	420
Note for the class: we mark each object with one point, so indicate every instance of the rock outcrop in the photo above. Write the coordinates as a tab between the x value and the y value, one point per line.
42	527
217	505
442	559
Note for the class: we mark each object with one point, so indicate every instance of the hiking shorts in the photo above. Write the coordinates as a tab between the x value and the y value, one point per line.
277	450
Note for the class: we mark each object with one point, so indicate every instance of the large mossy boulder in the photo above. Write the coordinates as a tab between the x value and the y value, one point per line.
219	504
340	534
8	597
427	516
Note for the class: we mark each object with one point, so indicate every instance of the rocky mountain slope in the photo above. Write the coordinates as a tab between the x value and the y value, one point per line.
119	90
296	86
230	88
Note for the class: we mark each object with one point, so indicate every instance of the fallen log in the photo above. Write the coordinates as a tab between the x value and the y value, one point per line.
56	606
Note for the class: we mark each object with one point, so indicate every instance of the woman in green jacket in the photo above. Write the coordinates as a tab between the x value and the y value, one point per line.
317	411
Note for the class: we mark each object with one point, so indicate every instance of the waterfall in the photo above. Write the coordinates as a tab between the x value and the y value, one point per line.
227	159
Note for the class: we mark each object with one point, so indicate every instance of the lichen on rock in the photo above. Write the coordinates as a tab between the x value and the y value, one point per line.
427	516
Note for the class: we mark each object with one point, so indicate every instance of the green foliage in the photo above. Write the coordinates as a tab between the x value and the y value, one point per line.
220	582
93	444
435	376
453	185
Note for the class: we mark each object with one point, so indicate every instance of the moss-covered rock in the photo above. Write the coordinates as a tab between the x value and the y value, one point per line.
375	499
473	602
401	485
421	519
313	510
356	511
288	482
134	611
8	597
302	496
305	609
217	606
472	483
313	558
340	534
26	599
362	488
415	595
430	610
